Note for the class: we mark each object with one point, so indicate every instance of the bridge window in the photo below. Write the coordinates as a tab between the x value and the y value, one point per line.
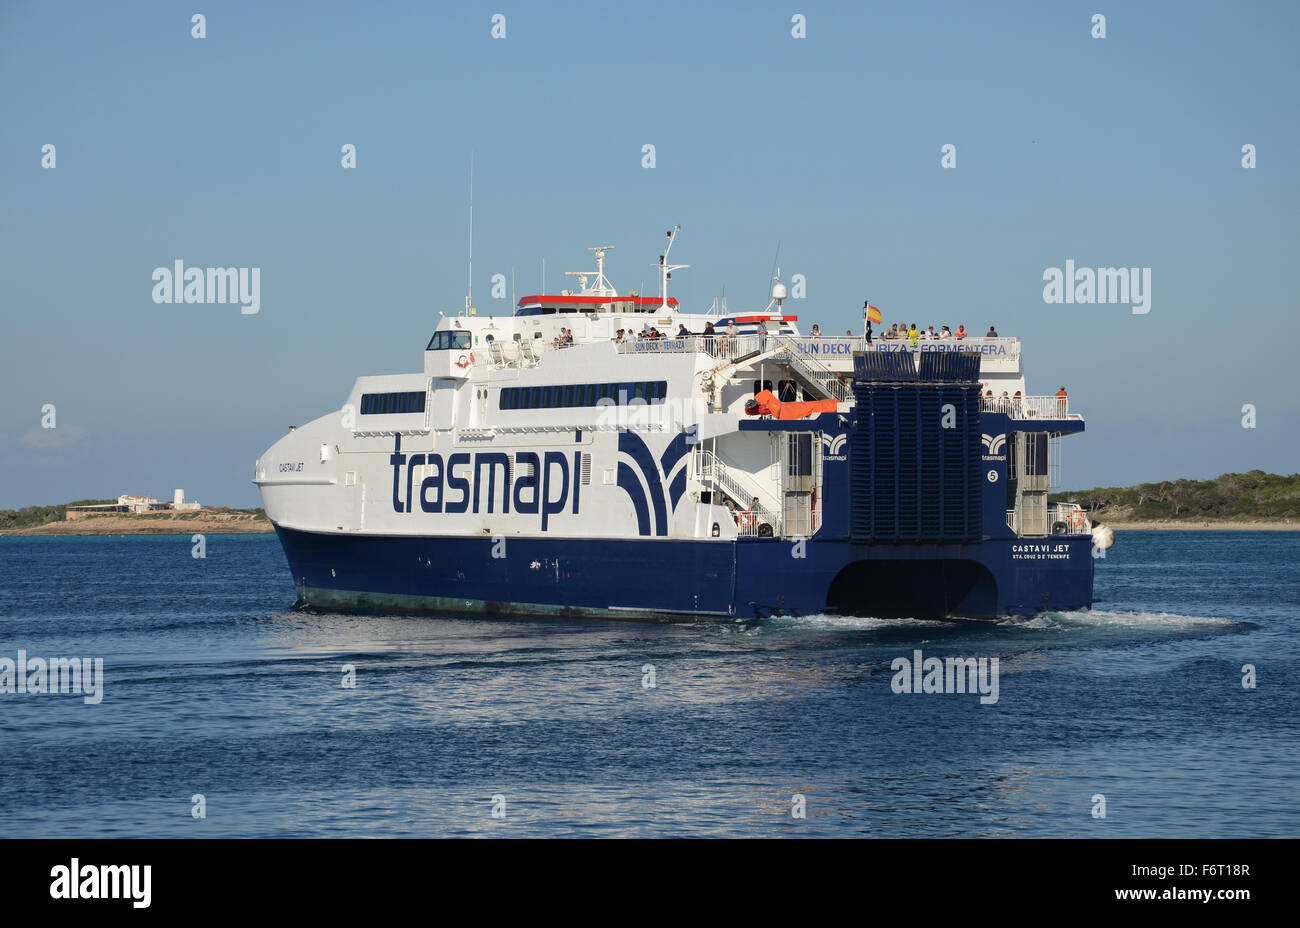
384	404
449	340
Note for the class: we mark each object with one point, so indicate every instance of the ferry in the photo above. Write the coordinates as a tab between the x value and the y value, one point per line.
608	455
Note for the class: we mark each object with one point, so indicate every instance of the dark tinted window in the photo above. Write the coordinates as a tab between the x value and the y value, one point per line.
449	340
382	404
566	396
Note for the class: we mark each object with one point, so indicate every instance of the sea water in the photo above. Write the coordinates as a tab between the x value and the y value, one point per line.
225	713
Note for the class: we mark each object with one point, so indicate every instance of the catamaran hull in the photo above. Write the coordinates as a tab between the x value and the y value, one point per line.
684	580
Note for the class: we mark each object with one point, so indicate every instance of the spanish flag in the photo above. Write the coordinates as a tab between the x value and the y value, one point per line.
873	314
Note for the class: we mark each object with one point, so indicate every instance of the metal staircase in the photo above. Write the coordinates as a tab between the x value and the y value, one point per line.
832	384
737	483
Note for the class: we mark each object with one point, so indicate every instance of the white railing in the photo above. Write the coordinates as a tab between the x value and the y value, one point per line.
821	347
1071	515
1062	519
1030	407
783	348
719	346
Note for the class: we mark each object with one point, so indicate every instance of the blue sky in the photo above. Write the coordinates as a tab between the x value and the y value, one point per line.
225	151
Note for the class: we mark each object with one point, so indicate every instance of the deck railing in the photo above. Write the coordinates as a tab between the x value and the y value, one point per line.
822	347
719	346
1071	515
1030	407
1062	519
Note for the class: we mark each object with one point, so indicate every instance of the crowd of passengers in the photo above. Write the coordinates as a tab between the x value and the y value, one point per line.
650	333
914	334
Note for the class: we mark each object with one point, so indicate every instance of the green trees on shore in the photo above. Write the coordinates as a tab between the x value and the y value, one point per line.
1251	496
31	516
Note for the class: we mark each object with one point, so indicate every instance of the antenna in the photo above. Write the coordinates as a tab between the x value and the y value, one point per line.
469	292
776	270
779	292
666	269
602	286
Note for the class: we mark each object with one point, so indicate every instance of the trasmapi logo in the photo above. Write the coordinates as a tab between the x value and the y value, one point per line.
995	446
644	479
833	444
833	447
545	485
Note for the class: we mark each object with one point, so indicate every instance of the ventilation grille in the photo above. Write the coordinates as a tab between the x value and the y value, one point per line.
912	479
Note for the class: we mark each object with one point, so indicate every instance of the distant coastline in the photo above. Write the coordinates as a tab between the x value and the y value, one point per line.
214	521
1185	525
1253	501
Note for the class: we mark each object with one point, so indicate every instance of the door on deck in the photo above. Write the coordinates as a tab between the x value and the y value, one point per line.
799	483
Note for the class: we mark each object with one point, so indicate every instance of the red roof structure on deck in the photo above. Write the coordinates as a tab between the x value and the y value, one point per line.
594	300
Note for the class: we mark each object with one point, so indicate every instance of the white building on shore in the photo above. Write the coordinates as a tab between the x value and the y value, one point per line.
135	505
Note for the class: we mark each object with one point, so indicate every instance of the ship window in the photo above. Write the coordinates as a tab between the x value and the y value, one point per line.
382	404
761	385
449	340
565	396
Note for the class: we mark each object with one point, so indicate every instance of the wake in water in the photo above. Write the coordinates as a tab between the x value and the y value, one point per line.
1095	618
1079	627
